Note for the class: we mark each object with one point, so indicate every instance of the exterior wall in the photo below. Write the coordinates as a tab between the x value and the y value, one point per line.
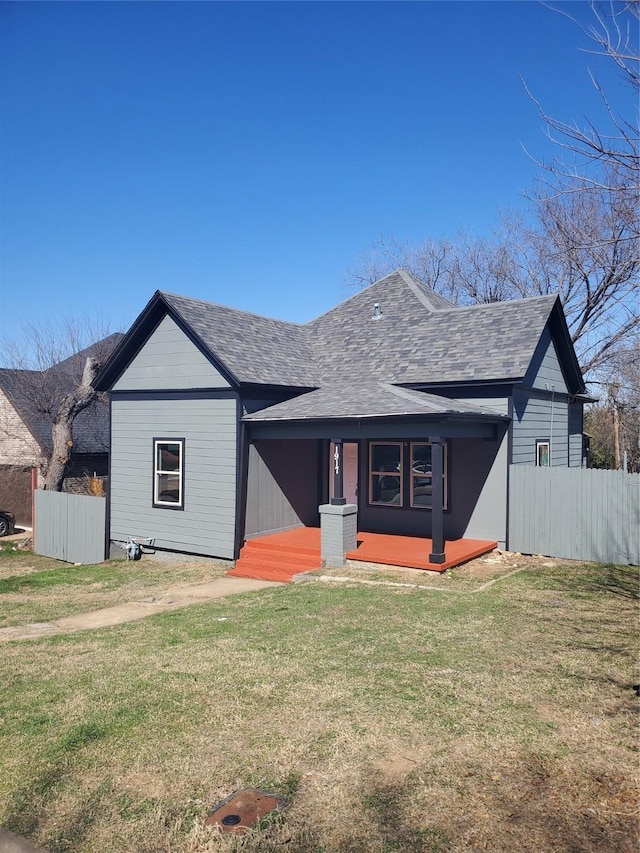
167	361
17	445
282	485
488	518
542	410
477	471
576	425
500	404
545	371
537	416
208	424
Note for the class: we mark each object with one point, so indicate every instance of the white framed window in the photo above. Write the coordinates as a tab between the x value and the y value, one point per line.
385	473
543	453
168	472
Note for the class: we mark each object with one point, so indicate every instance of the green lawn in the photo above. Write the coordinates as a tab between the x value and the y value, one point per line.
393	719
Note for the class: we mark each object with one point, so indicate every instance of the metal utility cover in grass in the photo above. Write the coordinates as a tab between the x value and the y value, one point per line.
242	809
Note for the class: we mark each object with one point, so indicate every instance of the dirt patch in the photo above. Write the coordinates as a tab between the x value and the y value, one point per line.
467	577
172	598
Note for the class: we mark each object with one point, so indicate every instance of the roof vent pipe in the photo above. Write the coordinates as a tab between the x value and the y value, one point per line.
377	311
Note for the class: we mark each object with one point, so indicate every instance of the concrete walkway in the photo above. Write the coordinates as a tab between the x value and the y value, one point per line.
171	599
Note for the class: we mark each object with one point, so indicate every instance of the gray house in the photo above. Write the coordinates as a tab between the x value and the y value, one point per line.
227	426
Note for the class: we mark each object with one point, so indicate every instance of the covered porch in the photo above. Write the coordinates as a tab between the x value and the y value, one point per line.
280	556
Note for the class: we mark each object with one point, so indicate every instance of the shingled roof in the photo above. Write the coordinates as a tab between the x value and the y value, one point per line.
396	332
410	343
256	349
368	400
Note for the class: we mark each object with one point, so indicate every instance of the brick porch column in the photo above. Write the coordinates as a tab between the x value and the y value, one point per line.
338	532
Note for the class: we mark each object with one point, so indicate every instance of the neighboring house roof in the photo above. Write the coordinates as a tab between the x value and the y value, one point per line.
36	394
394	332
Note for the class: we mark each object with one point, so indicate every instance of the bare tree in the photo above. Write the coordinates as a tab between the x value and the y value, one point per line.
604	158
581	239
46	384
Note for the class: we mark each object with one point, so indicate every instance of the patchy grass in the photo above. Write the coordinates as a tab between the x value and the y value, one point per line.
39	589
393	719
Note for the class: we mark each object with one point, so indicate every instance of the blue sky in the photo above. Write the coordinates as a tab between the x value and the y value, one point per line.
248	153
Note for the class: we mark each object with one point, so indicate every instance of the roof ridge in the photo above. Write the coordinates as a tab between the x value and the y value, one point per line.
421	290
231	308
518	301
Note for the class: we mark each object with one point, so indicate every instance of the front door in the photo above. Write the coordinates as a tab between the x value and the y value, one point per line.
349	471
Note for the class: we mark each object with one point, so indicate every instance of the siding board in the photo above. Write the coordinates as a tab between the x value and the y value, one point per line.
206	525
169	360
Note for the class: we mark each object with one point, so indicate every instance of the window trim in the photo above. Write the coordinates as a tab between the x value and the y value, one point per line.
371	474
540	443
406	456
156	472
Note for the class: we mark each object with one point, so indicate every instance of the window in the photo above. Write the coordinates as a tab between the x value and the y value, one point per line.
543	454
168	472
385	473
400	474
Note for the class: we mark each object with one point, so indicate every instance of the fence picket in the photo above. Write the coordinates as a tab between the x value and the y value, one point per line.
575	513
70	527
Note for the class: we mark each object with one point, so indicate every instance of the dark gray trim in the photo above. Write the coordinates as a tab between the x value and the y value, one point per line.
338	498
107	526
242	468
509	462
193	394
437	555
168	440
462	389
371	428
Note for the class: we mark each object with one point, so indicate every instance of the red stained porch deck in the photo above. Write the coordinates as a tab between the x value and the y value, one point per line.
280	556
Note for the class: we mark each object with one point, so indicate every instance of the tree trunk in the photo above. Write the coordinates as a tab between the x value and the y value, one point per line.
62	429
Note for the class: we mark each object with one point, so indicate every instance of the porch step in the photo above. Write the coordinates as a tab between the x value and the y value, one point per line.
274	561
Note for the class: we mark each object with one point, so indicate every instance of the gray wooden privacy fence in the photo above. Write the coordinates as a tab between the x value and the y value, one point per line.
70	527
576	513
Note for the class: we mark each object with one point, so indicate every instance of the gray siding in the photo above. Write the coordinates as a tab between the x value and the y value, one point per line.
282	485
545	371
488	518
576	425
169	360
544	412
575	513
209	427
532	419
70	527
